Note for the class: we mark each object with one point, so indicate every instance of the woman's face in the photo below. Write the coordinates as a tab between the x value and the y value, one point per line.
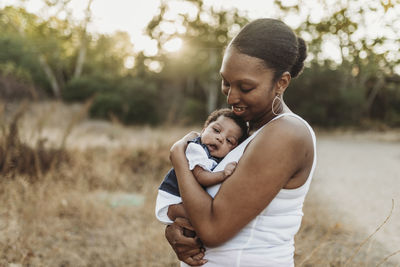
248	85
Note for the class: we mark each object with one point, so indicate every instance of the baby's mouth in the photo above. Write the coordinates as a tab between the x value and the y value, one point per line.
212	147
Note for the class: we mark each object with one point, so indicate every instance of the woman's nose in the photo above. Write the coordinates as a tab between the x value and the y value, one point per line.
233	96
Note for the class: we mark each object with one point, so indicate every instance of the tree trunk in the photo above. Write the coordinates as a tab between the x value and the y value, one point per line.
83	47
374	92
50	75
212	92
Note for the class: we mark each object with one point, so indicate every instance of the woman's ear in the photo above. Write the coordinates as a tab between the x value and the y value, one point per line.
283	82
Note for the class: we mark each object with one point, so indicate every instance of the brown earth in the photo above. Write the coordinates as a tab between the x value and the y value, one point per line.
357	177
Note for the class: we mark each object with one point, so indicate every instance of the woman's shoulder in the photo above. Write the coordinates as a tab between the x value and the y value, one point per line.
289	127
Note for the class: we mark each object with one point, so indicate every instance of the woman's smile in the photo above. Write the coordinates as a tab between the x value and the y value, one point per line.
238	110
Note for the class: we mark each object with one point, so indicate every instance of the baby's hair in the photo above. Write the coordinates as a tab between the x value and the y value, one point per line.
226	112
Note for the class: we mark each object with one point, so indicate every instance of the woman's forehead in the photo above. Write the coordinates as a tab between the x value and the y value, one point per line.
241	65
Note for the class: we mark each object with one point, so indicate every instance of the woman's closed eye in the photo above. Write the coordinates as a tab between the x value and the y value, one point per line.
246	88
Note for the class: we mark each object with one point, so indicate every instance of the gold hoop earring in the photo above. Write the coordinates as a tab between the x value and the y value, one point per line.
273	103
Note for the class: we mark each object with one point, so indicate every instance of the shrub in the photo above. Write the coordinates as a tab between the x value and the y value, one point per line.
106	104
80	89
131	100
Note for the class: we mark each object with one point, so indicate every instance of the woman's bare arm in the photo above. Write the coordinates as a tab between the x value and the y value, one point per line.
269	162
175	211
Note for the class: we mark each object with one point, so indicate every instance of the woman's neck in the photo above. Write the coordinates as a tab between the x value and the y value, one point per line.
257	124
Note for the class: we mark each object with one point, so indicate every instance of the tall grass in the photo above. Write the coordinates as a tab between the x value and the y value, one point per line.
54	177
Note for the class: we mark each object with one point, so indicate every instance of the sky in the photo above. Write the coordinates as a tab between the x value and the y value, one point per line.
132	16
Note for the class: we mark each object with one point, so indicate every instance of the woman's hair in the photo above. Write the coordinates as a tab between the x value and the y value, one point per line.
273	42
226	112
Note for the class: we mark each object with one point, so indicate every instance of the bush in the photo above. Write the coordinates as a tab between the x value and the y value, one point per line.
131	100
320	97
107	104
194	111
82	88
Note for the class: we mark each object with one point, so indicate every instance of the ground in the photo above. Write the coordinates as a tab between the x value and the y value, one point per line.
94	206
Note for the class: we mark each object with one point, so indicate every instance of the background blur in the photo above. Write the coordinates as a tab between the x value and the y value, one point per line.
162	66
93	93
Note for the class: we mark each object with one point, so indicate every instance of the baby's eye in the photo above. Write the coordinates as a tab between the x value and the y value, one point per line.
216	130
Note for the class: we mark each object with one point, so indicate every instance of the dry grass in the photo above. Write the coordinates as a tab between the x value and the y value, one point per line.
56	167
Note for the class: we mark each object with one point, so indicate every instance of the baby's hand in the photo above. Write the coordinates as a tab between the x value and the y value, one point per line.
229	169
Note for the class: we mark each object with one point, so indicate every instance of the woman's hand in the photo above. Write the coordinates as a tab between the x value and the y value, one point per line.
188	249
179	147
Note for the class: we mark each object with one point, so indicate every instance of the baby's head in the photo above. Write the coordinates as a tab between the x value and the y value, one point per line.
222	132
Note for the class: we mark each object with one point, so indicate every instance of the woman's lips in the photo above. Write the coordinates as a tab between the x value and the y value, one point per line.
238	110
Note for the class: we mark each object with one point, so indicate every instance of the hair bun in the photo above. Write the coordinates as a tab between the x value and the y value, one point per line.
301	56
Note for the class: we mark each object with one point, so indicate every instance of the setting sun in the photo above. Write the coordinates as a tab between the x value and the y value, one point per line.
173	45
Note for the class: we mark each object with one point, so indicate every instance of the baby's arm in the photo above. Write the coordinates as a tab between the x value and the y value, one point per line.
207	178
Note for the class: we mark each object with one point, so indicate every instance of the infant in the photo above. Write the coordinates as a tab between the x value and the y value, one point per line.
222	132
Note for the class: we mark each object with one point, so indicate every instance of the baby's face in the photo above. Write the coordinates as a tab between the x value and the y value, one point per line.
221	136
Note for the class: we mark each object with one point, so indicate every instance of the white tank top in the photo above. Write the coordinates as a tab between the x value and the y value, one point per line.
268	240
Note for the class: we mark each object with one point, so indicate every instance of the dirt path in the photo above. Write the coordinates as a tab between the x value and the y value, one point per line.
357	177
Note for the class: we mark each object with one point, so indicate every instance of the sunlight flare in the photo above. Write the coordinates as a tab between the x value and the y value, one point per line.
173	45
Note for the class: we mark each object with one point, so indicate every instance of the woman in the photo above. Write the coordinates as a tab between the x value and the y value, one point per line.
251	219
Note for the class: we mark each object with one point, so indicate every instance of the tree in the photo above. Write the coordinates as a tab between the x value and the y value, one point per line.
205	31
366	62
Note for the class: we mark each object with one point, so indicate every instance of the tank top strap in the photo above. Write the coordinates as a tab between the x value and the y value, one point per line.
251	137
292	115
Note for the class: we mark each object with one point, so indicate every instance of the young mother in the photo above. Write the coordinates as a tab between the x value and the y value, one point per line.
251	219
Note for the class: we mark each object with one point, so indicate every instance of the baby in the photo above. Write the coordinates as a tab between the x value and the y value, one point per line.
222	132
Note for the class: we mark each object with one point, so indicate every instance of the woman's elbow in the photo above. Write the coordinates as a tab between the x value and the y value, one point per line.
212	238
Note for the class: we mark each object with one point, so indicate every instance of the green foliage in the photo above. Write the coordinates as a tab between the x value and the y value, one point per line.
130	100
107	104
194	111
107	53
361	85
82	88
320	95
22	60
205	33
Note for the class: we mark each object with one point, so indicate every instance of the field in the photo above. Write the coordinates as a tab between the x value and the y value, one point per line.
78	192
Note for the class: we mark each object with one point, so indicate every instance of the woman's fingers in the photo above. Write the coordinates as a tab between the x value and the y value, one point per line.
188	252
183	222
193	257
187	249
190	136
174	235
196	260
